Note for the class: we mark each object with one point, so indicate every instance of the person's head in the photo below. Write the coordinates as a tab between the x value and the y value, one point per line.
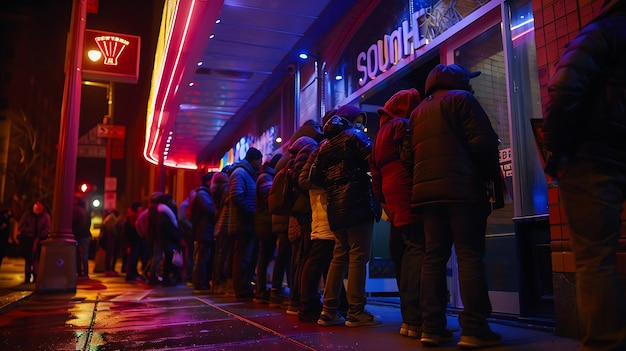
353	114
136	206
254	157
206	179
38	208
154	198
328	115
399	105
274	160
452	77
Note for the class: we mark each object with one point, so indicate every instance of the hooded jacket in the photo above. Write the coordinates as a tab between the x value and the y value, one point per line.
219	193
455	149
391	162
202	215
242	198
301	149
586	109
341	169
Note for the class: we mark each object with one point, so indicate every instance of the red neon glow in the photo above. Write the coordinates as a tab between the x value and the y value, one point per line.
111	48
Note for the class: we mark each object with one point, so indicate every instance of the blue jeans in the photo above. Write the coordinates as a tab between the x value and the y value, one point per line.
592	195
464	225
352	251
410	278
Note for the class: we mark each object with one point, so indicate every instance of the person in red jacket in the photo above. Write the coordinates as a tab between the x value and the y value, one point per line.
392	170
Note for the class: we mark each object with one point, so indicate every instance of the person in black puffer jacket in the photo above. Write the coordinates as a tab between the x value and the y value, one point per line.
341	168
455	154
585	131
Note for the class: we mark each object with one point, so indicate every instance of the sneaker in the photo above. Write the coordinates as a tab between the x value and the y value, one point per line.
292	309
361	319
412	331
478	341
434	339
276	298
327	319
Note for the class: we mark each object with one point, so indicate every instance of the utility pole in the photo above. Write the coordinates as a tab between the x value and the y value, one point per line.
57	268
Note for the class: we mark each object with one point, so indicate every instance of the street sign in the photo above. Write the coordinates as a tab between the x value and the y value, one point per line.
92	151
110	199
110	184
111	131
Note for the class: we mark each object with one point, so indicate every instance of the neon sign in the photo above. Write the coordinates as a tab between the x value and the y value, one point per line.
388	51
112	57
111	47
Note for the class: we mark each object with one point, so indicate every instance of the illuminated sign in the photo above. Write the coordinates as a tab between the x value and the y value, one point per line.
111	47
388	51
111	57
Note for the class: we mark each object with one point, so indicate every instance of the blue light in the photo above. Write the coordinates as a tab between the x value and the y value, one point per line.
303	56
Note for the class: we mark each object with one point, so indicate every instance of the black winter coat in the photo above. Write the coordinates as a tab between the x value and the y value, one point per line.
586	110
262	216
341	168
242	198
203	215
455	149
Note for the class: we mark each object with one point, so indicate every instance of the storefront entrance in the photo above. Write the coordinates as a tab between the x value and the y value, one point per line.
485	53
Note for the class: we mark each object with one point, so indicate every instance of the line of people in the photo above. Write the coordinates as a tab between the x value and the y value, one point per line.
429	169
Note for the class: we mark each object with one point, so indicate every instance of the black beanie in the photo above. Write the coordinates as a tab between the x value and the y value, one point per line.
253	154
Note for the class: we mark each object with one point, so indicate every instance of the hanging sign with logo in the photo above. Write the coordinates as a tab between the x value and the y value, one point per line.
112	57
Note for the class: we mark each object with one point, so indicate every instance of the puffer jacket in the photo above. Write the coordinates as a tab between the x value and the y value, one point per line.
391	179
455	149
242	198
341	168
203	215
262	216
586	109
219	193
168	235
301	148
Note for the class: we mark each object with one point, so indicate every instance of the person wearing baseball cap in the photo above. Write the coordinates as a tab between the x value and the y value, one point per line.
455	155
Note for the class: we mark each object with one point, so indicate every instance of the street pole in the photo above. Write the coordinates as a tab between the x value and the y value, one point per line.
57	268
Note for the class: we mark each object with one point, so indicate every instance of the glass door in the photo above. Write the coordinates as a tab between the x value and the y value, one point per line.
482	50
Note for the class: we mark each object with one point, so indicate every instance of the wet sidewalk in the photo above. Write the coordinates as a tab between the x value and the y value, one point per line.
107	313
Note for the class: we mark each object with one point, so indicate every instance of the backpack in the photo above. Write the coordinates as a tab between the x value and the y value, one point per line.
283	193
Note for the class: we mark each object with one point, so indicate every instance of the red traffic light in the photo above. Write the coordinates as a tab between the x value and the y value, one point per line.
85	187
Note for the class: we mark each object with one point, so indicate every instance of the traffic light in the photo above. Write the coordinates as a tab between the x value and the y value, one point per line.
85	187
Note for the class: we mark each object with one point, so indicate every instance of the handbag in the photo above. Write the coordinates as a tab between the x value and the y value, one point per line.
177	258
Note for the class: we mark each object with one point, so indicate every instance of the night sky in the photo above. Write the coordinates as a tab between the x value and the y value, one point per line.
44	50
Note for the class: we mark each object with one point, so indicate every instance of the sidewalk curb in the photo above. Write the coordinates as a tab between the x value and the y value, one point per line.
11	299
